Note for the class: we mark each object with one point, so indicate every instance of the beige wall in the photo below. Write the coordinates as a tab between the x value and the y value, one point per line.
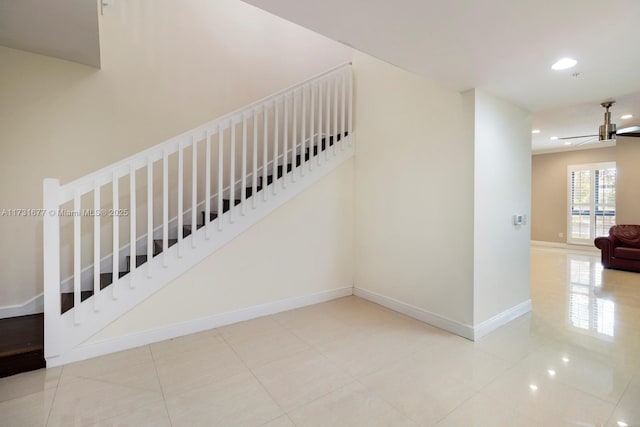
414	190
549	189
628	185
302	248
502	183
166	67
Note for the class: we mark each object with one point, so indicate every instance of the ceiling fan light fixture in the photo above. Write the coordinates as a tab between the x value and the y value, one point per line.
564	63
607	131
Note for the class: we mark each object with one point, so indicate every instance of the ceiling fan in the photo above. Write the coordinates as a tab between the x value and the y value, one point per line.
607	131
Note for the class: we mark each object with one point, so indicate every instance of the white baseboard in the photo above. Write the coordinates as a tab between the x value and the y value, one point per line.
566	246
433	319
472	333
501	319
99	348
33	306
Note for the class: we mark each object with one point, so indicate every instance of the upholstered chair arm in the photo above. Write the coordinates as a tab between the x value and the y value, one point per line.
606	245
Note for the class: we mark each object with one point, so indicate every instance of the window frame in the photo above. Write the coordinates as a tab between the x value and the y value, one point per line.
593	200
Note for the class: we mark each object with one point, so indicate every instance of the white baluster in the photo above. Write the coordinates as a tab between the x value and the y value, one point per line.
96	245
320	123
77	260
343	109
132	221
220	174
265	149
294	144
243	191
165	207
254	176
335	116
285	150
350	105
276	136
53	332
327	137
312	136
232	173
116	237
207	187
194	190
149	215
303	131
180	197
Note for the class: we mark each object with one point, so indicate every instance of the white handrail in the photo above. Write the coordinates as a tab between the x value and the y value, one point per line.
137	161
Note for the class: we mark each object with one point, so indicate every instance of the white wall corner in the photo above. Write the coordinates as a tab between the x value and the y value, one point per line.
500	319
33	306
107	346
453	326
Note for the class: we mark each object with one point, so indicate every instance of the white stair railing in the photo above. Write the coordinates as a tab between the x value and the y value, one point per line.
309	122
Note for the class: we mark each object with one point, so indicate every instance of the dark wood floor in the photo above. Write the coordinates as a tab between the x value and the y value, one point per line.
21	344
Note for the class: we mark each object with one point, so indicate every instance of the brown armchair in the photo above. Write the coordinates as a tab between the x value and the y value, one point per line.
621	249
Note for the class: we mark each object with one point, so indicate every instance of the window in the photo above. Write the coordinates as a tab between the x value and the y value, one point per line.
592	201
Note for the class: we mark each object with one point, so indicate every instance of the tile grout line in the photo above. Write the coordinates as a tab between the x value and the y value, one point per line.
164	398
256	378
55	395
287	413
615	408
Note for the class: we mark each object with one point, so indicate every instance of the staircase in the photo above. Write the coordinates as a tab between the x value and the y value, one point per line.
169	207
67	299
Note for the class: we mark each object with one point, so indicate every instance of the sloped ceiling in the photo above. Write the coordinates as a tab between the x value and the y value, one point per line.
65	29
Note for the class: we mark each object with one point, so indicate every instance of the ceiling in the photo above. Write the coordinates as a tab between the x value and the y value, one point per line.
505	47
65	29
582	119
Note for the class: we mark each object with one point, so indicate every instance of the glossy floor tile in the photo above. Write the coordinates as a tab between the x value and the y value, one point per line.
573	361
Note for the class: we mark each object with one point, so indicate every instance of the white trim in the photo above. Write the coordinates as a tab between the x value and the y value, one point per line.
34	305
596	145
569	247
501	319
99	348
436	320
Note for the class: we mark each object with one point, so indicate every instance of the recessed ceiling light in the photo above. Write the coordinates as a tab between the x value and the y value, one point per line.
533	387
565	359
553	138
564	63
551	373
626	116
567	143
535	131
622	424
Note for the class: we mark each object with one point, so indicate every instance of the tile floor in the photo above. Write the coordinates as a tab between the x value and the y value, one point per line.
574	361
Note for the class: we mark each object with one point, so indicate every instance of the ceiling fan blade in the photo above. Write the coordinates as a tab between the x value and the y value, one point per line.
588	141
630	131
576	137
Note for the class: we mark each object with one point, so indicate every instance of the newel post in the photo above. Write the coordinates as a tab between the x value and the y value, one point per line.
51	270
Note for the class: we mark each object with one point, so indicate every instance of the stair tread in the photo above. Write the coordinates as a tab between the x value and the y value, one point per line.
22	334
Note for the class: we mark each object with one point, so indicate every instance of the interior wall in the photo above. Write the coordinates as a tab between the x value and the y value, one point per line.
549	188
166	67
302	248
502	171
628	180
414	198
